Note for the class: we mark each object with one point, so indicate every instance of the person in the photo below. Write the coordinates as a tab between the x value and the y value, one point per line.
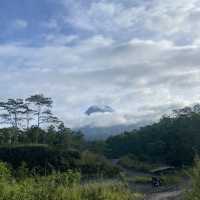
156	182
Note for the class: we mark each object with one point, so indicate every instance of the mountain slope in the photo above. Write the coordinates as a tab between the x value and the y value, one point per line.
92	133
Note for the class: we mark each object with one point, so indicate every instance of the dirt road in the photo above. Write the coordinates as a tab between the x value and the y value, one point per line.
171	195
162	193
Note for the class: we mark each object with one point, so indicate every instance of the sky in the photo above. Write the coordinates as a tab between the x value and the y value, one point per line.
140	57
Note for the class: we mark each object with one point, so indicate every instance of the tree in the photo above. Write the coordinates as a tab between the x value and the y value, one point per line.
183	112
64	135
196	108
48	117
27	112
42	106
12	111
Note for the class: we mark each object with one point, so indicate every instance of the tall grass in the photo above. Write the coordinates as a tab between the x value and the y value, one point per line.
194	193
65	186
31	189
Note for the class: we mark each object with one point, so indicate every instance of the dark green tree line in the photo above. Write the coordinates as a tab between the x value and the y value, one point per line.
174	140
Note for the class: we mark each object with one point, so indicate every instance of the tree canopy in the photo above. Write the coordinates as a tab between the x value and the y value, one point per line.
174	140
21	113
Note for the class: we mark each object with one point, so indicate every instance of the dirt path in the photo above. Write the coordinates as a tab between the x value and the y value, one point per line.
172	195
162	193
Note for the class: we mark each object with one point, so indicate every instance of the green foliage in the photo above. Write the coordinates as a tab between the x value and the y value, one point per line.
194	193
130	162
27	116
5	171
96	146
44	159
169	180
68	178
61	137
142	179
61	187
22	171
18	113
97	165
41	159
174	140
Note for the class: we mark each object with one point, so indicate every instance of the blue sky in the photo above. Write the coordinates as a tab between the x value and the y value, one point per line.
139	57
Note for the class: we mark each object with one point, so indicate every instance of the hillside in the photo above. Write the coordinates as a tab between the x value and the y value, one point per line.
174	140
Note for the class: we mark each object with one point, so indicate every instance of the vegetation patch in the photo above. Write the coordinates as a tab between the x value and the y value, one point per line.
142	180
174	140
60	187
130	162
193	193
169	180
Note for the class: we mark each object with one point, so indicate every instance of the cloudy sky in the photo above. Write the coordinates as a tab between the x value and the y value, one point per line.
141	57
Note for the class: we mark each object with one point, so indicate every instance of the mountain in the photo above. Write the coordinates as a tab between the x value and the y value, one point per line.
95	131
98	109
101	133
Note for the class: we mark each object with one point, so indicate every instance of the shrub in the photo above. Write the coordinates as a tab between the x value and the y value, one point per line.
194	192
22	171
5	172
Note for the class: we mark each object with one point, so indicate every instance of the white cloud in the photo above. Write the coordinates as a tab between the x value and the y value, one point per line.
20	24
60	39
139	57
125	76
155	19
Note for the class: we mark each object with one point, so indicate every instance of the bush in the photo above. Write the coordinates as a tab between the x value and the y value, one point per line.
22	171
5	171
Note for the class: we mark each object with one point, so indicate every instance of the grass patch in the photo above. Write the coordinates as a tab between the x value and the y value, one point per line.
142	180
171	180
132	163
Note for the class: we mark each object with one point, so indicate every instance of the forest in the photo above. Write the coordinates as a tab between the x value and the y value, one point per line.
174	140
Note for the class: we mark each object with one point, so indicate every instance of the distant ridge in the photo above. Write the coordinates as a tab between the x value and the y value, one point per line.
102	133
